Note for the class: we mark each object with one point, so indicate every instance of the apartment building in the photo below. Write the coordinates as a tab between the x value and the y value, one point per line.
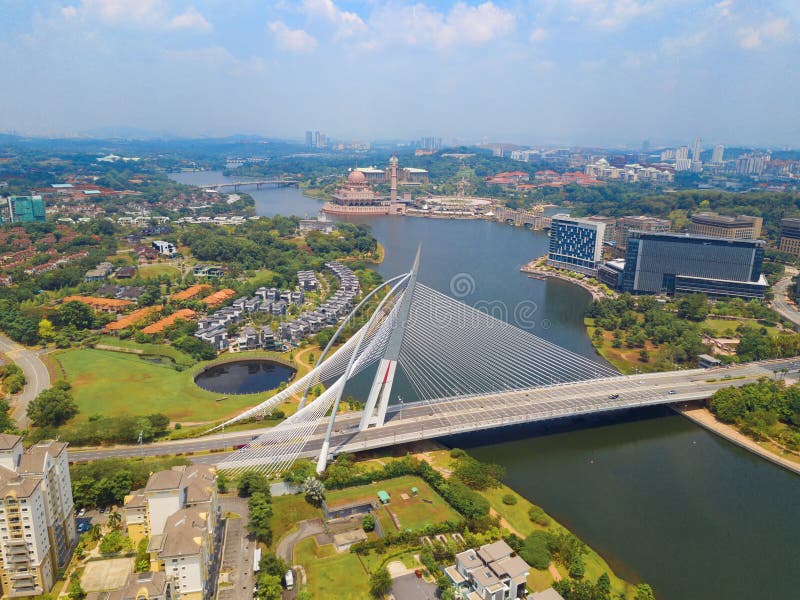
179	512
37	525
741	227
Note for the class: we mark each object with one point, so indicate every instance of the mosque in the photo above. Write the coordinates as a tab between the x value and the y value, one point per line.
357	196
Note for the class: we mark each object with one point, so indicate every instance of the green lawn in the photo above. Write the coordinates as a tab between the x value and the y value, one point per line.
114	383
416	512
155	349
148	271
337	577
287	511
720	327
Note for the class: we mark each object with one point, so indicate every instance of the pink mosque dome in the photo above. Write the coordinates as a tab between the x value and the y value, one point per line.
356	177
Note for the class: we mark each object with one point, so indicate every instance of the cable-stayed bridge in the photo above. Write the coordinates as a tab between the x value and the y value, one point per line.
470	372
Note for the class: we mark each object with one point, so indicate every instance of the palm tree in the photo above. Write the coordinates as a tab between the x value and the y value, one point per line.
114	520
95	533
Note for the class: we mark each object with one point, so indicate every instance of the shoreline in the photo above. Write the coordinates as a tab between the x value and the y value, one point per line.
533	268
704	418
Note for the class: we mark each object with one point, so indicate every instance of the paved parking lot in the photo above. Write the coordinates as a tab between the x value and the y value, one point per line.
104	575
409	587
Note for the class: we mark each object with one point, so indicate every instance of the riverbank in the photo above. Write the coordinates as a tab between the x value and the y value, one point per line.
538	267
703	417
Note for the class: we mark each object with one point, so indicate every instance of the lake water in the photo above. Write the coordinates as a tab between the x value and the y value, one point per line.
660	498
244	377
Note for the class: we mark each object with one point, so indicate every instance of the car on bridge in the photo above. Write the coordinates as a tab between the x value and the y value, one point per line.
613	396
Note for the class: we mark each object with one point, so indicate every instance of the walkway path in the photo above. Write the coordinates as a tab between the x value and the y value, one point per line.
706	419
36	375
305	529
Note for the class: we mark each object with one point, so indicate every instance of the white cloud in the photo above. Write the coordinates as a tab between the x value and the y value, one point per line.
752	38
724	7
293	40
677	45
539	34
612	14
140	14
69	12
419	25
347	23
191	19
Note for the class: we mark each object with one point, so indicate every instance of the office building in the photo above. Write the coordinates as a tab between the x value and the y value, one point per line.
26	209
676	263
625	225
790	236
717	154
741	227
576	244
37	522
611	226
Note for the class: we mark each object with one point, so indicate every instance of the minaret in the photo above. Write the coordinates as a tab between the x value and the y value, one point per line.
393	176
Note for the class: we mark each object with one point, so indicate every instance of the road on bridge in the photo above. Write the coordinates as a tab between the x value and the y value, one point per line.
425	420
36	375
781	301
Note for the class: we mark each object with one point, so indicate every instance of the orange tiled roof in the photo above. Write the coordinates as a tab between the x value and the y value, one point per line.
191	292
133	318
219	297
185	313
97	303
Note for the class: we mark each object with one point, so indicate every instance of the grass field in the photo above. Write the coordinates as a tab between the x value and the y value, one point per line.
416	512
727	327
148	271
155	349
113	383
287	511
337	577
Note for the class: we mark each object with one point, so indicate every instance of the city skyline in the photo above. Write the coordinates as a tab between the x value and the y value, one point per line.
580	72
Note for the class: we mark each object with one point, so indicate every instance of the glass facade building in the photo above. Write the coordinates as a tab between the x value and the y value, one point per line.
576	244
674	264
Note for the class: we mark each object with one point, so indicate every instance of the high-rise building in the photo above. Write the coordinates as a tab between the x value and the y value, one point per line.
432	144
677	263
697	150
752	163
37	520
717	154
576	244
310	138
682	152
625	225
26	209
741	227
683	164
790	236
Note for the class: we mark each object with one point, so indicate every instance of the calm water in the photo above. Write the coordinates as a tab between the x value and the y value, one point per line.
659	498
244	377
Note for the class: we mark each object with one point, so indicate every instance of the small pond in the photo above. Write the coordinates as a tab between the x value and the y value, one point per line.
244	376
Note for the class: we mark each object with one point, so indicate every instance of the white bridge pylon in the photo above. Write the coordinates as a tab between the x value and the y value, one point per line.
445	348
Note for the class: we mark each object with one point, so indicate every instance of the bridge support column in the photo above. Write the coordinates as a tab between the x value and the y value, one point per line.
378	400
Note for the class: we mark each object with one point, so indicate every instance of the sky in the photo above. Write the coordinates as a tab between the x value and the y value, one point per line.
578	72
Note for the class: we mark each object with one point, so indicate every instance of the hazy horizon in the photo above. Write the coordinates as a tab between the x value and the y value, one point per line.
572	72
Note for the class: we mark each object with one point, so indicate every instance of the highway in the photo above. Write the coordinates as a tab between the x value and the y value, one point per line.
36	374
424	420
781	302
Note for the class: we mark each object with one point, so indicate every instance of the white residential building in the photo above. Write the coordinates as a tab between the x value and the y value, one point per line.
37	525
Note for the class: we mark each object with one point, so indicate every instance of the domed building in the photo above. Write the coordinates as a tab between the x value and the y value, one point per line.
356	195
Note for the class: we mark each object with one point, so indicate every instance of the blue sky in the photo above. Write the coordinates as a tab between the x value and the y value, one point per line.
539	71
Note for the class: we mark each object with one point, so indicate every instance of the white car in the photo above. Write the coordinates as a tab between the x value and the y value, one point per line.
82	512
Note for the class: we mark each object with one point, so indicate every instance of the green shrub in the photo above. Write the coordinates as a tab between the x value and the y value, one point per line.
535	551
509	499
538	516
457	453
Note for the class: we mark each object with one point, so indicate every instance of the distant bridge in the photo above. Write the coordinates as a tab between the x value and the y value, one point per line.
259	184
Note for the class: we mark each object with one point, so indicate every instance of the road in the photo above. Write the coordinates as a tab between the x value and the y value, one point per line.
781	302
423	420
237	552
36	374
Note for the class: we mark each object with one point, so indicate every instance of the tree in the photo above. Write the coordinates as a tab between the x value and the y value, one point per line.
269	587
368	523
114	520
77	314
114	542
258	522
314	490
76	592
535	550
478	475
253	482
46	330
693	307
142	563
53	407
222	483
380	583
604	584
271	564
644	592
